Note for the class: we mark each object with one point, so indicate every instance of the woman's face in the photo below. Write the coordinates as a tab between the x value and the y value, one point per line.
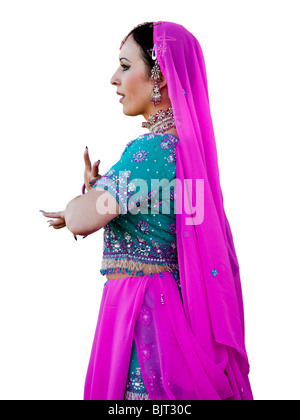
132	80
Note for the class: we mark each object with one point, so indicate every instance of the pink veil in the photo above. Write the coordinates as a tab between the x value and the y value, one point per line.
208	265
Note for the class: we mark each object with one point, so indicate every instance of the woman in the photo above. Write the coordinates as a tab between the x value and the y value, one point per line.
171	321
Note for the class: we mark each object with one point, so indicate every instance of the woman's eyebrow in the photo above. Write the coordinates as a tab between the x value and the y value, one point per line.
123	58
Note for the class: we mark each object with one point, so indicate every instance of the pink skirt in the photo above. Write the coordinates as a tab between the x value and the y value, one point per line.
149	310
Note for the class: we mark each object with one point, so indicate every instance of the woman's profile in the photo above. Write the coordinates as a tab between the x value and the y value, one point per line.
171	319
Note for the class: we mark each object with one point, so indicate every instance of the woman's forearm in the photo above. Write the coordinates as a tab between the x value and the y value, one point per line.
82	215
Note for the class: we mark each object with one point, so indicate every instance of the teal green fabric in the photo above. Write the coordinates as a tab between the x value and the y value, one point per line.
143	183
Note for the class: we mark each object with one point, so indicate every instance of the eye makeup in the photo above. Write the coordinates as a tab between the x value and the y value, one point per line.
125	67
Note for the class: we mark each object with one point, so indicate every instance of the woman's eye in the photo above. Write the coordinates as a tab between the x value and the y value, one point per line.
125	67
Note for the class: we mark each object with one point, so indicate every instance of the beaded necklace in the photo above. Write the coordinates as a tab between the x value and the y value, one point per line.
161	122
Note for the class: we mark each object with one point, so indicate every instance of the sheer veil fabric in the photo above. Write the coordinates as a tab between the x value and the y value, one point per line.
208	265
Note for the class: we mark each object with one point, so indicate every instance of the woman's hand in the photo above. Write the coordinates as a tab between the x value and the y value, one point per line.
91	174
59	223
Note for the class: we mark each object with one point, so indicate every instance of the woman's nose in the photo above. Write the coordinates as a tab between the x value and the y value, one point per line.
114	80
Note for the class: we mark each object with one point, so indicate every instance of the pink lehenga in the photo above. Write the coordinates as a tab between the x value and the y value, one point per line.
149	311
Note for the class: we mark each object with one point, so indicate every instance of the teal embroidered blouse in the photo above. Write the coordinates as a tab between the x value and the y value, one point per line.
143	183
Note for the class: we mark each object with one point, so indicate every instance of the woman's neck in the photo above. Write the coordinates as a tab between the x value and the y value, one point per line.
172	131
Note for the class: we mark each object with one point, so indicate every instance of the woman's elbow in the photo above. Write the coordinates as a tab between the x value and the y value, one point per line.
76	223
73	226
83	226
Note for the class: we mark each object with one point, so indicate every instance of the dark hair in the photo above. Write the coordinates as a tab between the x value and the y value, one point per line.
143	35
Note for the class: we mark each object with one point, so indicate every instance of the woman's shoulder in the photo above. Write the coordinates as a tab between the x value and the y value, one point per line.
151	143
165	140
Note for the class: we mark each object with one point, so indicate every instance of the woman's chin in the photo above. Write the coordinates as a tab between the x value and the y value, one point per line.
125	112
124	109
129	113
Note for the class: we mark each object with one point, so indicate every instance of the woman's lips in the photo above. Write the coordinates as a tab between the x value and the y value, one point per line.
118	93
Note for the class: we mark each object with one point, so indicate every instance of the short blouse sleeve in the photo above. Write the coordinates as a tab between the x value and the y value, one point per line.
133	180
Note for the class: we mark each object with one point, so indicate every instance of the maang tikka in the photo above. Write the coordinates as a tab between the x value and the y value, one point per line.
155	72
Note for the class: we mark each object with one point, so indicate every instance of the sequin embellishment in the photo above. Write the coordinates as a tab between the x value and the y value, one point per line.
145	317
173	229
135	388
170	144
146	352
139	156
143	226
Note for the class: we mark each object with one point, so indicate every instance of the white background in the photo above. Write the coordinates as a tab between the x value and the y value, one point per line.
56	61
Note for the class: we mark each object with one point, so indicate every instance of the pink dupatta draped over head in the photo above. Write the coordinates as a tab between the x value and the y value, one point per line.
208	265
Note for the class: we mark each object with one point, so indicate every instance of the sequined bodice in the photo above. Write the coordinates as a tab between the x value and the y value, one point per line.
145	232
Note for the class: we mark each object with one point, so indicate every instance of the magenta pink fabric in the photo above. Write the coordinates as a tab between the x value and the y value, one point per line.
193	349
173	364
209	269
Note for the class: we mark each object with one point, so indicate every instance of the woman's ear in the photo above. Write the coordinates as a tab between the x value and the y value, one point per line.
162	80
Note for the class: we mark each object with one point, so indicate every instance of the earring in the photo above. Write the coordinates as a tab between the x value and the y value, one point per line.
155	95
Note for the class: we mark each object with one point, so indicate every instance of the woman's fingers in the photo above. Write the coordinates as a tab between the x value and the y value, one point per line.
58	215
95	169
93	181
87	161
54	215
57	224
91	173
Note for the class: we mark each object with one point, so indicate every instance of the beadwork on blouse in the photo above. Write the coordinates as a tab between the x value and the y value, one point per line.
145	231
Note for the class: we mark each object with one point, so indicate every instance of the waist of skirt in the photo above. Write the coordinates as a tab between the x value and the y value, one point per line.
161	275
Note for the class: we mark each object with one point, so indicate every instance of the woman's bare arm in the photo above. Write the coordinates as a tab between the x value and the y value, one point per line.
86	213
90	212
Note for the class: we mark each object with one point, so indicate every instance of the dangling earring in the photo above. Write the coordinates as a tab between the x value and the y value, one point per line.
155	95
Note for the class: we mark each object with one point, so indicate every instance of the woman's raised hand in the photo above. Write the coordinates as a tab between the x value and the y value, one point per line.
91	174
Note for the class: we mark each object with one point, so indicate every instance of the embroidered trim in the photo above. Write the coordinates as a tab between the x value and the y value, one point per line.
117	187
129	395
135	387
128	264
128	254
